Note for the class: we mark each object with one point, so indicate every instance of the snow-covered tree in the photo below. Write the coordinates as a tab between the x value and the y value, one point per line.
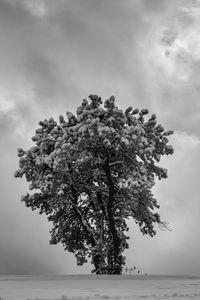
91	173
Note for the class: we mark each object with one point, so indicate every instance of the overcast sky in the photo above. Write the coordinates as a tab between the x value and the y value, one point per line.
146	53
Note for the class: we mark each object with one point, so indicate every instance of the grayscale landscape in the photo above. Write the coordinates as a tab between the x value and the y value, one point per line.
99	149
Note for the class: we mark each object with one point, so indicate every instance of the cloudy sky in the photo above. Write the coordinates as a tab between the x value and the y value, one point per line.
146	53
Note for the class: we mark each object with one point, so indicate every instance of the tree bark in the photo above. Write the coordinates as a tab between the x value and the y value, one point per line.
117	264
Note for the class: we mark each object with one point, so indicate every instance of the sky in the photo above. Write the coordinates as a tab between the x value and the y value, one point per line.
144	52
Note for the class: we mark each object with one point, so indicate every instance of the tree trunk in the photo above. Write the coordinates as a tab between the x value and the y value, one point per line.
96	261
117	263
115	257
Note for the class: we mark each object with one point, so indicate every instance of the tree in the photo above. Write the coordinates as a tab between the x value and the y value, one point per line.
93	172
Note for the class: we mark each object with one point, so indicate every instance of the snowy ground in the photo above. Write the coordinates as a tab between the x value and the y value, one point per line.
88	287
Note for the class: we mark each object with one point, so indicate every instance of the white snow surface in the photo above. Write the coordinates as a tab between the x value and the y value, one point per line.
99	287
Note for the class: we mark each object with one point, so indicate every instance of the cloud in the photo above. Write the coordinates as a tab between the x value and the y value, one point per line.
175	44
154	6
6	102
36	8
43	74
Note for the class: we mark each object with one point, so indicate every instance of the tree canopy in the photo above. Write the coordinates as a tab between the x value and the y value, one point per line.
91	173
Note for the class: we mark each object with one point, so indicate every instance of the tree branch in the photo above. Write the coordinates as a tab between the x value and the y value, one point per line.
115	163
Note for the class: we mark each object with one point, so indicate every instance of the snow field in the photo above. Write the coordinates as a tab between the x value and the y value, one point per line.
94	287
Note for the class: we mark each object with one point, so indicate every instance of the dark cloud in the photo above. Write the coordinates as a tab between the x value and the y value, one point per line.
11	12
43	73
154	5
100	42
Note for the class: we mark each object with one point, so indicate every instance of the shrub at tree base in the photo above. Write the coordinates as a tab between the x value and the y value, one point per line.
92	173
